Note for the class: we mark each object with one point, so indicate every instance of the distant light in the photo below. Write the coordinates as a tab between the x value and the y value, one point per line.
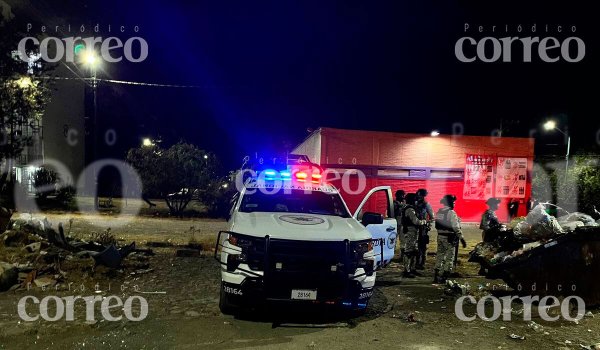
225	186
206	156
550	125
90	58
435	133
146	142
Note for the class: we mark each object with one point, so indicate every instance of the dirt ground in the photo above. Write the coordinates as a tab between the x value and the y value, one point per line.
183	295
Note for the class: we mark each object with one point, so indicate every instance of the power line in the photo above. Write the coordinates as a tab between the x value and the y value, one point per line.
124	82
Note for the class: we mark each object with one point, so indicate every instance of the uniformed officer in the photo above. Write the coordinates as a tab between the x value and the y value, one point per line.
449	231
411	225
399	204
489	220
424	212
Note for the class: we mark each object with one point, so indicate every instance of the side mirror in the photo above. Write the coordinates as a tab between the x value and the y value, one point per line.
370	218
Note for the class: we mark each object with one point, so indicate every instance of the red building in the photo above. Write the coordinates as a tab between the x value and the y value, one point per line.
473	168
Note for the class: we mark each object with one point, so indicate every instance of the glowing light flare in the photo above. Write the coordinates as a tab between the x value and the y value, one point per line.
550	125
90	58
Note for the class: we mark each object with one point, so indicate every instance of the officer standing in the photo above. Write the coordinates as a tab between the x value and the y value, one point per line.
489	220
447	224
399	204
411	225
424	212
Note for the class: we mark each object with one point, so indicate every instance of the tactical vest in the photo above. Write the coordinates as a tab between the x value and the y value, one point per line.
442	223
406	222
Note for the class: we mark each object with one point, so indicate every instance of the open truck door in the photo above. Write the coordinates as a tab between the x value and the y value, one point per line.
380	223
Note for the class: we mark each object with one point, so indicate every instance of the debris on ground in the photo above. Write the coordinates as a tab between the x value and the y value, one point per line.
32	253
516	337
454	288
535	326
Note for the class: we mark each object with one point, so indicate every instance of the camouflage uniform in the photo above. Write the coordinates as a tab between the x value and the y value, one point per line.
424	212
448	238
410	242
489	222
398	210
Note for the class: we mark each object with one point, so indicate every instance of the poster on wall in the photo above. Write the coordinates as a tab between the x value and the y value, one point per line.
511	177
479	171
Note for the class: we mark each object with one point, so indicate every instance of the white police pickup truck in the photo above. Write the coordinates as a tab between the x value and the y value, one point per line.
292	239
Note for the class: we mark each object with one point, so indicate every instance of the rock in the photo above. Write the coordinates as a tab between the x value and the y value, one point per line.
44	282
187	253
192	313
9	276
175	311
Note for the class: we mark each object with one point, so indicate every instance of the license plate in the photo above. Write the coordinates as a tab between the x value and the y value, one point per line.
304	294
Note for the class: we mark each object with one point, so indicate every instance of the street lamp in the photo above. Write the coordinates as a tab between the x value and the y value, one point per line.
551	125
146	142
91	60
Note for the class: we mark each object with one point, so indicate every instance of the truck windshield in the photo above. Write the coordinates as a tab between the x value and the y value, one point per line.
298	201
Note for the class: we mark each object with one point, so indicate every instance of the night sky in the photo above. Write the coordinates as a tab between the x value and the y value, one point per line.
270	70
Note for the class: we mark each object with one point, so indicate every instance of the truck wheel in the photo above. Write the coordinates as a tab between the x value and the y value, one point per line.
224	304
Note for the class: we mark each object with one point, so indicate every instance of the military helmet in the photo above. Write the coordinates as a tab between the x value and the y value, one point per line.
448	200
411	198
421	192
492	201
400	194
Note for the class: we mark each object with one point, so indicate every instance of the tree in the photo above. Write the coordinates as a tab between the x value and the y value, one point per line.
24	94
176	174
44	181
580	191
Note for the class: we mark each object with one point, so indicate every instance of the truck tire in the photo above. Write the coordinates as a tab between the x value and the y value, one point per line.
224	304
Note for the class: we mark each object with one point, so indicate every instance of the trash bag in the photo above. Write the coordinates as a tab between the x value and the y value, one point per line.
539	225
587	220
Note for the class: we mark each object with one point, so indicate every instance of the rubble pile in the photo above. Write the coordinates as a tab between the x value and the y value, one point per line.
528	233
32	253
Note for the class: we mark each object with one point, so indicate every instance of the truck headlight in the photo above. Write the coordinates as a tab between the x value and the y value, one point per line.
239	255
363	248
234	260
365	256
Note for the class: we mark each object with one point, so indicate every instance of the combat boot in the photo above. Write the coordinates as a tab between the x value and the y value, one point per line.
444	277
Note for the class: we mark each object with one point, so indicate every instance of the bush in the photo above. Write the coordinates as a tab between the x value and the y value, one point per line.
44	180
65	195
